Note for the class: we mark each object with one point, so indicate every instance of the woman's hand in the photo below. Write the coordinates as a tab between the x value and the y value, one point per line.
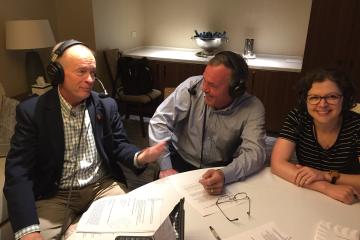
307	175
343	193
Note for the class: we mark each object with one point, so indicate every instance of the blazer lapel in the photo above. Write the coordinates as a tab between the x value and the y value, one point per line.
96	113
55	123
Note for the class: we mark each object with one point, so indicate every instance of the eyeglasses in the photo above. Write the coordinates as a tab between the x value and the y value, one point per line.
237	197
330	99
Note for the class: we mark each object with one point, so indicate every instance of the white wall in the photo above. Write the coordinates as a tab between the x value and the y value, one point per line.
114	21
278	26
74	20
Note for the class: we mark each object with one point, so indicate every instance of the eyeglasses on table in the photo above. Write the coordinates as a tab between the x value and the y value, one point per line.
241	196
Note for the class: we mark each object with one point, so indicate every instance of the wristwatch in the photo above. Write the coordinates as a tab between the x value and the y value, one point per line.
334	176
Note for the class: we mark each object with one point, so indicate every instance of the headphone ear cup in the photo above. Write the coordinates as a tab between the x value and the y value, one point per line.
237	90
240	70
56	73
233	91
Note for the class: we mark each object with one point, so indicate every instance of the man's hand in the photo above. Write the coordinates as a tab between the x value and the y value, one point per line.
151	154
307	175
343	193
213	181
32	236
167	172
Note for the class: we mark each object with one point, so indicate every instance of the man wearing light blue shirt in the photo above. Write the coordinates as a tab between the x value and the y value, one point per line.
211	121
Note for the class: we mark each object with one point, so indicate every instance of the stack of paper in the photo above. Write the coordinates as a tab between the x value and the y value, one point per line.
330	231
122	213
268	231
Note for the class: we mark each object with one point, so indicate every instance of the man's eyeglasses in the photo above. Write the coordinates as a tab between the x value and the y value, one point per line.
237	197
330	99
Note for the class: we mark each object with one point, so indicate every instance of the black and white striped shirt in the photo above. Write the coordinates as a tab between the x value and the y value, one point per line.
342	156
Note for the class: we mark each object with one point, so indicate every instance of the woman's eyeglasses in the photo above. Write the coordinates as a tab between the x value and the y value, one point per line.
235	198
330	99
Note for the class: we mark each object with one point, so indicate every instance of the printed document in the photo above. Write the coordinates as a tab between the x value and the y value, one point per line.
194	193
122	213
330	231
268	231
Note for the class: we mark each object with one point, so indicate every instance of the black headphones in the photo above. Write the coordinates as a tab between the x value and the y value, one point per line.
54	70
240	71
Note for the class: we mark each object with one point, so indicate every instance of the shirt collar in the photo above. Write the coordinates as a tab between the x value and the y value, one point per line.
66	107
236	101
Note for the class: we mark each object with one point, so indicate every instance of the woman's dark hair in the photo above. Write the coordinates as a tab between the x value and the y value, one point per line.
320	75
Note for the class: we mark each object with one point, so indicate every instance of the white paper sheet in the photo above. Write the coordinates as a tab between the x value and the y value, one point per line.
165	232
268	231
122	213
194	193
330	231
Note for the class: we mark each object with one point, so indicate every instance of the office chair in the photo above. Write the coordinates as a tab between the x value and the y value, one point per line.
136	103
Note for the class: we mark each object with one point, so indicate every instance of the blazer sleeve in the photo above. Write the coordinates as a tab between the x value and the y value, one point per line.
122	150
18	188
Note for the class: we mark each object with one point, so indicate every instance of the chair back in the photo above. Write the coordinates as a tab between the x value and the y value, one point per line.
111	60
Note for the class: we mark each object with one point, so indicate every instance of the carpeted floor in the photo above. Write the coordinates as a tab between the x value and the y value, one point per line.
132	127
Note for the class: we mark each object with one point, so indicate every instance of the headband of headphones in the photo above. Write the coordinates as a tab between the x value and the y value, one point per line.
54	70
59	51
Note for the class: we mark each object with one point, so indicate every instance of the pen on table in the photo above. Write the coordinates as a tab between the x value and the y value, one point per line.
214	233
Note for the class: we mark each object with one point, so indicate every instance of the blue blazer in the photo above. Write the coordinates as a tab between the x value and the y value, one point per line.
35	161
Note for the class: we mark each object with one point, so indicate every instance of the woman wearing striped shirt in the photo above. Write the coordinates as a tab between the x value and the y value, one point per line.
326	137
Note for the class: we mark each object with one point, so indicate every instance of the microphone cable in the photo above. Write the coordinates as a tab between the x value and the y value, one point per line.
203	137
104	94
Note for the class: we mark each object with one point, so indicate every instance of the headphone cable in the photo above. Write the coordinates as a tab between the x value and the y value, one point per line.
203	136
65	224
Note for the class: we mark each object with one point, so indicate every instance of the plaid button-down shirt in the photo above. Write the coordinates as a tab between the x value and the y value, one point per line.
82	163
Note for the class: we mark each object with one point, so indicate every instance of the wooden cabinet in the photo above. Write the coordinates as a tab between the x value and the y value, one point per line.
171	74
276	90
333	38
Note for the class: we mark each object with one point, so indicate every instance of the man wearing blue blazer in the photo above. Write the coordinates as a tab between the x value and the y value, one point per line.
66	149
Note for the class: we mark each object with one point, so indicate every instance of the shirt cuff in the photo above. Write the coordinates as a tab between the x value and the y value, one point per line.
230	175
165	163
136	163
30	229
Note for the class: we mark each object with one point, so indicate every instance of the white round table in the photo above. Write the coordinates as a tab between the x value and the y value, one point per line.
295	211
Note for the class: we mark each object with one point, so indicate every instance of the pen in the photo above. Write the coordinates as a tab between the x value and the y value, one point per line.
214	233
